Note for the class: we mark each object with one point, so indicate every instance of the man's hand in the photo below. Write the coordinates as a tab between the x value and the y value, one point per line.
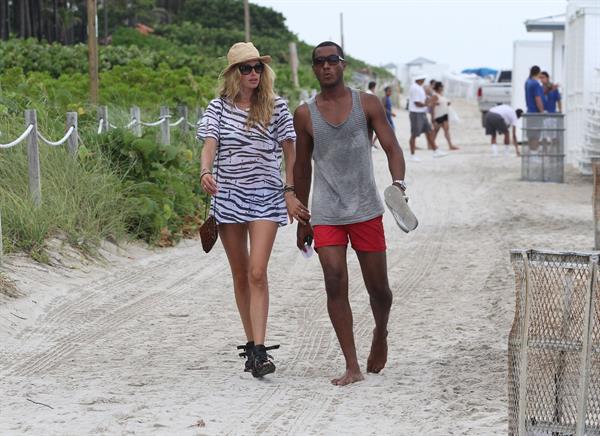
302	232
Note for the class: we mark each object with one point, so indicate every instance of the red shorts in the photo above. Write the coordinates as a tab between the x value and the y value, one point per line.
364	236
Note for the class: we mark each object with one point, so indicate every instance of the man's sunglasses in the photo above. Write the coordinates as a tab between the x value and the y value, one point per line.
331	60
246	69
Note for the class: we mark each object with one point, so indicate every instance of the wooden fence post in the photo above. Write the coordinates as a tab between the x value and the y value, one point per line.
1	244
103	115
165	134
596	201
199	114
183	112
136	114
33	157
73	140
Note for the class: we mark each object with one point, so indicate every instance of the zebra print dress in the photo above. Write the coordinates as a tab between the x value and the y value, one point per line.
248	163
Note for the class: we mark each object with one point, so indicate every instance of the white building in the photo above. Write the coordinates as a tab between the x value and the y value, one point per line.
582	82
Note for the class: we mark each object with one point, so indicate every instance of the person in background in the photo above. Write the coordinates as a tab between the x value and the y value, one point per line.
387	104
551	98
534	94
439	110
246	130
498	120
419	123
552	101
371	88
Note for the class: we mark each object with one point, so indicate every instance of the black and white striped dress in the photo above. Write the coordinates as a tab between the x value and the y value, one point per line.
248	162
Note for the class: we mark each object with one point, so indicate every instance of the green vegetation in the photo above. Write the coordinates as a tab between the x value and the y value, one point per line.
120	185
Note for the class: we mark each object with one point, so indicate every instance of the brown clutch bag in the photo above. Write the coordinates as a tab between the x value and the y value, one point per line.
208	233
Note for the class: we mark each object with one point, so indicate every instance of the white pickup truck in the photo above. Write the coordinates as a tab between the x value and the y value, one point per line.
494	93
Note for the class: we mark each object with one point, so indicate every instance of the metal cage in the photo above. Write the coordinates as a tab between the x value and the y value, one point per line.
554	345
543	149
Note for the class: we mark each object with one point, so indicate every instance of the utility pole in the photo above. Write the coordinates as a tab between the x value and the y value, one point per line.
247	19
92	31
342	30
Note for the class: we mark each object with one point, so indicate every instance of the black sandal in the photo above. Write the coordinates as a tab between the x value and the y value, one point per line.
263	364
248	353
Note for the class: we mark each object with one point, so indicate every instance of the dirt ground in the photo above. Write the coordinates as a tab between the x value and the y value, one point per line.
144	342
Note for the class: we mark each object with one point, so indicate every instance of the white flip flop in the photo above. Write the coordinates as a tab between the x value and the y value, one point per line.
396	202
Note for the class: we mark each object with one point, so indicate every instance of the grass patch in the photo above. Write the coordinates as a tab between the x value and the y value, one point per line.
83	200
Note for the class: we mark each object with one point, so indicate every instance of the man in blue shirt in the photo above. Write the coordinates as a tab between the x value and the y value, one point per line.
534	93
387	104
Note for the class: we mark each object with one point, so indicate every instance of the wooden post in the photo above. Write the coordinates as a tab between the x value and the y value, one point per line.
73	141
294	63
92	33
586	349
103	115
1	243
183	112
136	114
524	346
165	134
596	201
199	114
33	157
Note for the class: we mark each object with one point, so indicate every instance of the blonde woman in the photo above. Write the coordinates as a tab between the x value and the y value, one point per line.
245	131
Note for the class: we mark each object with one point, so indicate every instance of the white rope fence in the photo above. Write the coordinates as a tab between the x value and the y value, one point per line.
60	141
20	139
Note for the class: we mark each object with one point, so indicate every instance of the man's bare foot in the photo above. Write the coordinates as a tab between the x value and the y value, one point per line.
350	376
378	355
454	147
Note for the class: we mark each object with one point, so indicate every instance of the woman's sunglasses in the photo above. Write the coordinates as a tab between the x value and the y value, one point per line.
331	60
247	69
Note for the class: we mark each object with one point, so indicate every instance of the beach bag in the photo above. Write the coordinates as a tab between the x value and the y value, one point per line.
209	233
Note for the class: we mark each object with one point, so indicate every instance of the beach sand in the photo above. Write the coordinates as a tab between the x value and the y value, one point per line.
144	342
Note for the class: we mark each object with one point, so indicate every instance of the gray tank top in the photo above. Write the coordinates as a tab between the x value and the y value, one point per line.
344	185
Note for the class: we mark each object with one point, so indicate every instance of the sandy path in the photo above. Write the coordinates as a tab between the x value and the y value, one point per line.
146	345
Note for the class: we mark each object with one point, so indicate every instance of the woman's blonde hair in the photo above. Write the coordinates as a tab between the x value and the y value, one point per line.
263	97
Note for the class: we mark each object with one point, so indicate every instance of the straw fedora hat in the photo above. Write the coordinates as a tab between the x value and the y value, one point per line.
241	52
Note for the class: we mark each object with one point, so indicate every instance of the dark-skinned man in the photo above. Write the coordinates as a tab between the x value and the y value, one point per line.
334	131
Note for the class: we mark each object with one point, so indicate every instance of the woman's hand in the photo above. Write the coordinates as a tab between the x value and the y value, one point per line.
296	209
208	184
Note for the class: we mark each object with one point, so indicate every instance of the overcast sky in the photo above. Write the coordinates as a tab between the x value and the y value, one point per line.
462	34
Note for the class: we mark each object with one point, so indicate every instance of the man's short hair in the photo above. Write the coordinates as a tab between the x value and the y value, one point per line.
534	71
545	74
432	82
437	86
328	44
387	88
371	84
519	112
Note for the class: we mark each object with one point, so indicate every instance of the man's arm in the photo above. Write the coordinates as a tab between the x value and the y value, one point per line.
539	104
387	138
303	166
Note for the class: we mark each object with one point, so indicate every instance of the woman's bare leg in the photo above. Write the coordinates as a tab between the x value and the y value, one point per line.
262	236
235	241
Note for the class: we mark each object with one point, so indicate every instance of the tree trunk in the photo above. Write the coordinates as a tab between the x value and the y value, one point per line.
55	29
22	19
3	19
